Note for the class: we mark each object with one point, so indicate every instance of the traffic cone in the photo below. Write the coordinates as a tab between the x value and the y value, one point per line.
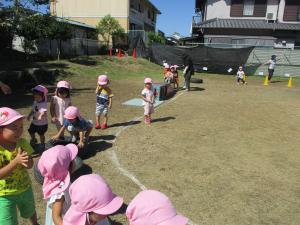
134	53
266	82
110	52
119	53
290	83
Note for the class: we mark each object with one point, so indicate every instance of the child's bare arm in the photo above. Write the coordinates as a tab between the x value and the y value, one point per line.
60	132
52	109
22	158
57	208
144	98
81	139
109	102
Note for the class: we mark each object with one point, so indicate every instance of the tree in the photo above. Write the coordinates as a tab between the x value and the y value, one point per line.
155	38
108	27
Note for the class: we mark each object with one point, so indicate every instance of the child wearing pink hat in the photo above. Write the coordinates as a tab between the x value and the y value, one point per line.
104	101
59	103
153	208
148	100
92	200
38	114
15	184
78	127
55	165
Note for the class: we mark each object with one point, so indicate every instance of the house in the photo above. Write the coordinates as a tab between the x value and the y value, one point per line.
248	22
131	14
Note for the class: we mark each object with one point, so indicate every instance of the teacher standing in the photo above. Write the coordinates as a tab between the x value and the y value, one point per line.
188	71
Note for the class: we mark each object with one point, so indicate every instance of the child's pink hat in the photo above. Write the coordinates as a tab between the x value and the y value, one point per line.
41	88
8	116
71	113
54	166
153	208
90	193
63	84
166	65
103	80
148	80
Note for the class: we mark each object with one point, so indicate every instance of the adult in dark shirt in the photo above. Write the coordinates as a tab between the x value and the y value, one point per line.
188	71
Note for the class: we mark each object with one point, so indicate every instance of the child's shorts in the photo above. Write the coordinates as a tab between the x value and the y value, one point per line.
101	109
148	109
9	204
88	124
41	130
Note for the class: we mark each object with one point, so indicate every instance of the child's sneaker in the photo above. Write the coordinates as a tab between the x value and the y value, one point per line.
104	126
33	142
97	127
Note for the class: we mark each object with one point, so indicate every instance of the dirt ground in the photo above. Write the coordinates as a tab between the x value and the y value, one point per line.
224	154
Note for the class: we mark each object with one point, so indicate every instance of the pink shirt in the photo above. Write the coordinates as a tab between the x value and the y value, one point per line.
60	106
38	108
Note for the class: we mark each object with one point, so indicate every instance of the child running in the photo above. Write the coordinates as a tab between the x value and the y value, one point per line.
59	103
38	113
152	208
104	101
15	185
92	200
78	127
55	165
241	76
148	100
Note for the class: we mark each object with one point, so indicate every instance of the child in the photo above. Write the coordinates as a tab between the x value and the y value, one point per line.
168	75
175	76
241	76
104	101
271	67
77	126
148	97
55	165
15	185
38	113
92	200
59	102
152	208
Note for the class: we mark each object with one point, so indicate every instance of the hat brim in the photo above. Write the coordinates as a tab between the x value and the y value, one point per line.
69	118
73	149
73	217
111	207
102	83
12	120
176	220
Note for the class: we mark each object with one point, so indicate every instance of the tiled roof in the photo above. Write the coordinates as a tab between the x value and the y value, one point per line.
247	24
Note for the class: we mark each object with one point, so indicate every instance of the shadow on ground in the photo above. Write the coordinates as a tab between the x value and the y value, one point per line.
125	124
84	170
163	119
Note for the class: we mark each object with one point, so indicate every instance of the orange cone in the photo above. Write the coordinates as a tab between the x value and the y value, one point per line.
134	53
119	53
110	52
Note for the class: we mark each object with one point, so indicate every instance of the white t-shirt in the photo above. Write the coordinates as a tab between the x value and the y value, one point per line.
148	94
60	106
272	64
240	74
38	108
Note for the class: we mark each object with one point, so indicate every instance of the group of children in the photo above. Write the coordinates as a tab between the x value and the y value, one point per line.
86	201
171	74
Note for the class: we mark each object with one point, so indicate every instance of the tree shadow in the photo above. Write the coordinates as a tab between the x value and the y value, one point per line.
197	89
93	148
84	61
125	124
103	137
163	119
83	170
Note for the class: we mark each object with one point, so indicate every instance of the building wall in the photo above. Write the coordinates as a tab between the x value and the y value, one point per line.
218	9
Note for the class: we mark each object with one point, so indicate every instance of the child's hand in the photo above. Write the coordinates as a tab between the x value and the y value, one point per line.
55	137
22	158
54	120
80	145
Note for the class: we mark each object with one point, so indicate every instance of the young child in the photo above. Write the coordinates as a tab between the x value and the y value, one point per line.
175	76
152	208
104	101
241	76
55	165
92	200
271	67
148	98
59	103
15	185
168	75
38	113
77	126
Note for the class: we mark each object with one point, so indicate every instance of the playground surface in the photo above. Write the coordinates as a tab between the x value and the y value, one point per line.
224	154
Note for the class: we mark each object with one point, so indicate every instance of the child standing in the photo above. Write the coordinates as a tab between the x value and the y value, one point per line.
15	185
175	76
55	165
271	67
152	208
104	101
78	127
92	200
38	113
59	103
241	76
148	100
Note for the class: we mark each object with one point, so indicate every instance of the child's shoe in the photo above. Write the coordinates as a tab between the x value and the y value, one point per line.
97	127
33	142
104	126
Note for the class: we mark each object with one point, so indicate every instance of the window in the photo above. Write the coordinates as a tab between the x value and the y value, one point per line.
132	26
248	8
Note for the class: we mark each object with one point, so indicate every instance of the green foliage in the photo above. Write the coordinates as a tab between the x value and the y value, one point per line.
155	38
108	27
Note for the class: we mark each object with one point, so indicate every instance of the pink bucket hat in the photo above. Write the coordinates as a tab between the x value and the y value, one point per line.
153	208
41	88
71	113
63	84
8	116
166	65
103	80
90	193
54	167
148	81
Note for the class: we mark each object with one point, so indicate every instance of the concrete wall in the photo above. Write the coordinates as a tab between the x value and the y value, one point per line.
218	9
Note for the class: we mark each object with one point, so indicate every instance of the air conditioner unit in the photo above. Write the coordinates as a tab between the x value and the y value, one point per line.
270	16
